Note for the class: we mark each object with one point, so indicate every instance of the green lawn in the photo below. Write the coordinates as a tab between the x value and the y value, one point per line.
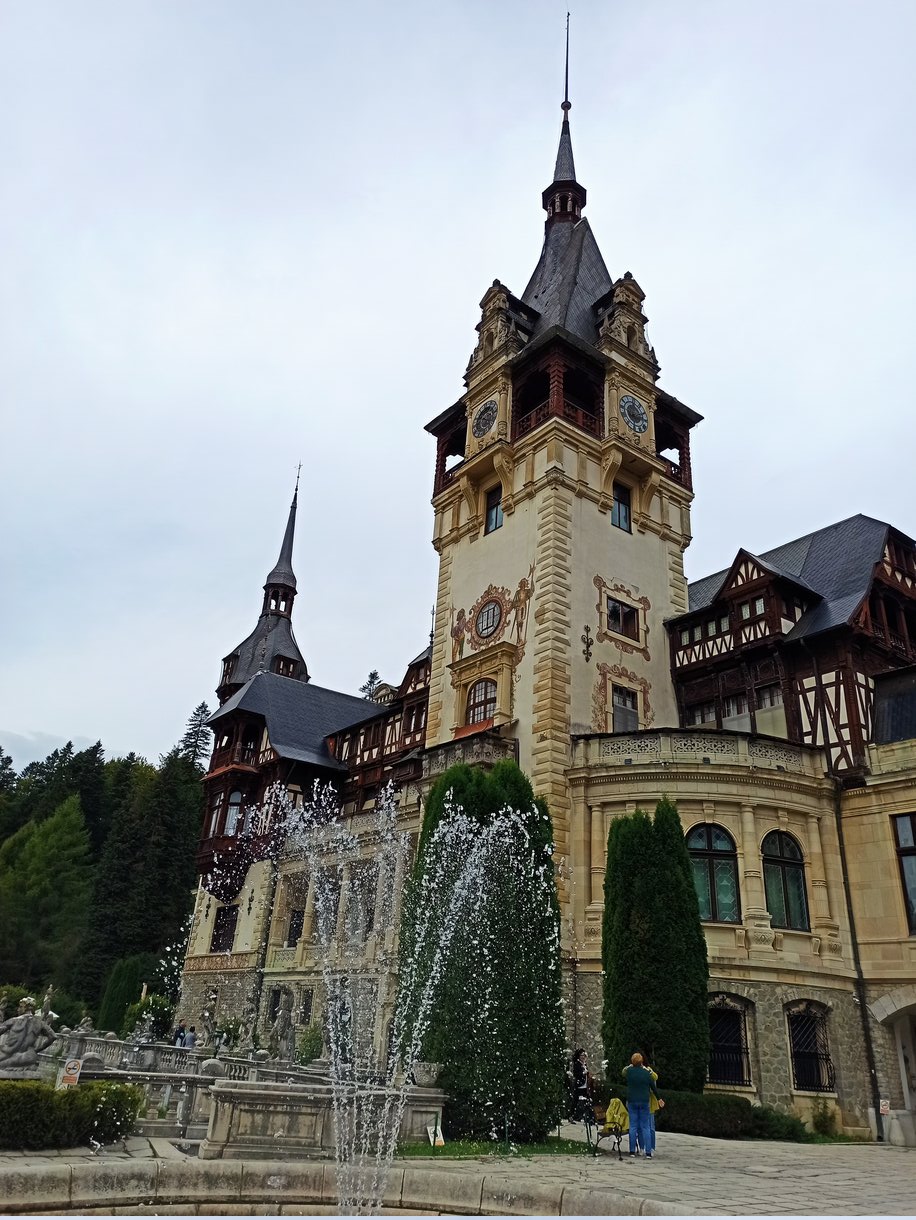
478	1148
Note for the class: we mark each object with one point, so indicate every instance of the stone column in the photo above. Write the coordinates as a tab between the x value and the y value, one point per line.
308	921
596	890
825	927
341	930
756	916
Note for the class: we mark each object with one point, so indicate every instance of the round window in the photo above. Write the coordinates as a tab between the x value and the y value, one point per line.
489	617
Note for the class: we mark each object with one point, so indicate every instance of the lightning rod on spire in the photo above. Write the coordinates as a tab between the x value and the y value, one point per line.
567	105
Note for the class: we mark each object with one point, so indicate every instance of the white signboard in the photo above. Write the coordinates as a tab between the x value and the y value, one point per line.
70	1074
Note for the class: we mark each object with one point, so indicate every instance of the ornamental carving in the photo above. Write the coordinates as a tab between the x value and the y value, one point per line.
600	695
642	606
496	613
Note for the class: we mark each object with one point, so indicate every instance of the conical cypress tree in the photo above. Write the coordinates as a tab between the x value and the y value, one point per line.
497	1024
682	1046
654	952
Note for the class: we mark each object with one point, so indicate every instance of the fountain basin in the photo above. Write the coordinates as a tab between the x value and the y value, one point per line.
269	1120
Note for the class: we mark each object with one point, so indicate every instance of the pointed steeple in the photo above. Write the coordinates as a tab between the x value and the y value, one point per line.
571	274
271	647
564	199
282	572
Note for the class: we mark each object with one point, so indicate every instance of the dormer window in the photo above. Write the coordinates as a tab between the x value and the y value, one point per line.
228	666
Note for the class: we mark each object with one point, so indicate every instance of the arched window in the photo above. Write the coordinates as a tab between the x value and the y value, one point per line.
234	812
729	1062
715	873
481	701
784	879
812	1067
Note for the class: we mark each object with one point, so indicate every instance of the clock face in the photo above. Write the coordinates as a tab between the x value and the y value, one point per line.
484	419
634	413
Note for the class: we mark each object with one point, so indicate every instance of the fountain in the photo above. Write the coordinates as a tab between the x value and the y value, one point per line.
375	1085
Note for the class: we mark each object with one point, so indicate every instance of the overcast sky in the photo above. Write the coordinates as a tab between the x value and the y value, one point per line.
240	235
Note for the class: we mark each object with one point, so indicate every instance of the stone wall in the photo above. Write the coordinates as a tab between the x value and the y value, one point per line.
768	1044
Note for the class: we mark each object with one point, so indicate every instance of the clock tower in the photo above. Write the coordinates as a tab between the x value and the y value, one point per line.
562	499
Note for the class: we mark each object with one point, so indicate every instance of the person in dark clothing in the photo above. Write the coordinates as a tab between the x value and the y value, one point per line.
178	1035
640	1087
582	1085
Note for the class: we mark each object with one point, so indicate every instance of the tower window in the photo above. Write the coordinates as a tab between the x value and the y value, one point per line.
494	517
905	831
714	862
625	709
216	809
481	701
234	812
784	881
622	619
620	513
224	929
294	927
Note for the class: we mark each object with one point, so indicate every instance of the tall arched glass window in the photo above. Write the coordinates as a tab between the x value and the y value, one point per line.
481	701
714	861
784	880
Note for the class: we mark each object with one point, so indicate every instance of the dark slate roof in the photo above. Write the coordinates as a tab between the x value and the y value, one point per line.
282	572
569	278
299	715
272	637
835	563
565	169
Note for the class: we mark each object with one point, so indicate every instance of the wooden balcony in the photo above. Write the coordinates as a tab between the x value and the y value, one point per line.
585	420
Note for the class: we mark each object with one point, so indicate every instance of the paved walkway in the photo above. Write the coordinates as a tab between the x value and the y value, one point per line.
707	1176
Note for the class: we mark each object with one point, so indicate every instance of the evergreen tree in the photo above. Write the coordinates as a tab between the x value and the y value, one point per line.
86	778
7	773
654	951
124	891
123	988
371	684
175	814
40	788
196	743
502	1059
45	896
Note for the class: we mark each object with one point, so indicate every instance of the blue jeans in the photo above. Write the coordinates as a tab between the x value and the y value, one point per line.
639	1125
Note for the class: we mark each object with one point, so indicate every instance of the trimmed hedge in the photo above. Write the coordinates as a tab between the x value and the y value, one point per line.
35	1115
718	1115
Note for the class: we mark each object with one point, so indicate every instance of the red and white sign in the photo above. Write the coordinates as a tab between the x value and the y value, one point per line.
70	1074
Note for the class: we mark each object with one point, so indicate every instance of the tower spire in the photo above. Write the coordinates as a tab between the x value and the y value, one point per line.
282	572
564	199
567	105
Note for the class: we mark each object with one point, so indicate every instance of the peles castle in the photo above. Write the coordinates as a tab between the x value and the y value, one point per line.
774	700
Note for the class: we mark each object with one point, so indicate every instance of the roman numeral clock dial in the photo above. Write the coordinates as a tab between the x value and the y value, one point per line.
633	413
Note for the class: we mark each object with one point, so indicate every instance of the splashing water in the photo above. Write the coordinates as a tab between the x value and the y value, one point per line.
467	866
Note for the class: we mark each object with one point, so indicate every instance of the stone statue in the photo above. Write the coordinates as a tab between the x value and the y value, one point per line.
22	1038
282	1033
247	1023
208	1021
